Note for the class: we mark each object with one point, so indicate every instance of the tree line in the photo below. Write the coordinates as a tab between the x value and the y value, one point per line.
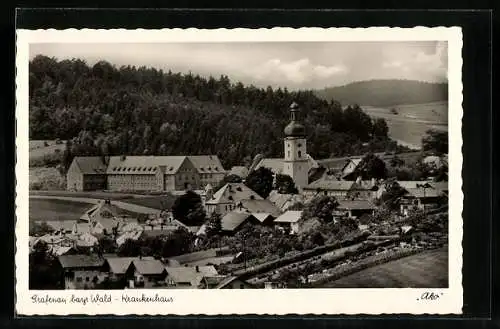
105	110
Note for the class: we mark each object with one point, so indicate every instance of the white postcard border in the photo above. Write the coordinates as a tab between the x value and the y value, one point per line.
251	301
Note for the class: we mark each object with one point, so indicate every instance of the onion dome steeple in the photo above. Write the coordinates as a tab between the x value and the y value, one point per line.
295	128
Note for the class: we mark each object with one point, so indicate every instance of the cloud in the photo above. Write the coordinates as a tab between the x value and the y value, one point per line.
296	72
428	66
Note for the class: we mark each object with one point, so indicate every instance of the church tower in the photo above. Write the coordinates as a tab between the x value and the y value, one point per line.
296	164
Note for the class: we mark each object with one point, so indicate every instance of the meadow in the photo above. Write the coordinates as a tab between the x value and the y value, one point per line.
40	148
55	210
424	270
408	123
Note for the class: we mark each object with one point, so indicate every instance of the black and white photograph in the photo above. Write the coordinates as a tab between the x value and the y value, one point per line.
238	165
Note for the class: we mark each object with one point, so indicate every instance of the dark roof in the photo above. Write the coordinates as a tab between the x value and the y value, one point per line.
148	266
330	184
90	165
119	265
260	206
73	261
355	204
233	219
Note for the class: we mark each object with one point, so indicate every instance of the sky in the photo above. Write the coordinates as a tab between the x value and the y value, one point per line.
294	65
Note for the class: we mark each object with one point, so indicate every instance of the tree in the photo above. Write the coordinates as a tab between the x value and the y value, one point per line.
260	181
435	141
380	128
214	225
371	166
392	195
130	248
285	184
231	178
320	207
44	269
188	209
107	245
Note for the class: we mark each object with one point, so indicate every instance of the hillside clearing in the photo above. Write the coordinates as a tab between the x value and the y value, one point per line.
412	121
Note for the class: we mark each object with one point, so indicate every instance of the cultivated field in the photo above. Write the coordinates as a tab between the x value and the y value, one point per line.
412	121
424	270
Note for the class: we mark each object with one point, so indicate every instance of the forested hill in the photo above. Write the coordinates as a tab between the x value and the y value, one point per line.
106	110
386	92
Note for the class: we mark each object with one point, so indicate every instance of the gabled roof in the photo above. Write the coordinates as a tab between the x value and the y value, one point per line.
233	192
74	261
229	280
355	205
259	206
119	265
100	212
206	164
233	219
261	217
144	165
90	165
330	185
148	266
184	275
291	216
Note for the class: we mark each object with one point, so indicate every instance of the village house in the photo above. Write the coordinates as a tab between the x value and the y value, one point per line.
284	201
423	198
291	221
86	174
233	221
117	267
355	208
227	198
82	271
189	276
146	272
331	187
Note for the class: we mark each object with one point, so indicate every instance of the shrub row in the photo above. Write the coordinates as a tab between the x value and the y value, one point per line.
379	259
301	256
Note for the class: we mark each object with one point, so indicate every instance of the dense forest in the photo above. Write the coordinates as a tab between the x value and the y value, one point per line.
386	92
105	110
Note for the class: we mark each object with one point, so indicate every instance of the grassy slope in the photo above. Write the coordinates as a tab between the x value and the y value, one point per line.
425	270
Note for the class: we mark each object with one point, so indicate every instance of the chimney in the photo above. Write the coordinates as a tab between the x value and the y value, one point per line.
197	268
